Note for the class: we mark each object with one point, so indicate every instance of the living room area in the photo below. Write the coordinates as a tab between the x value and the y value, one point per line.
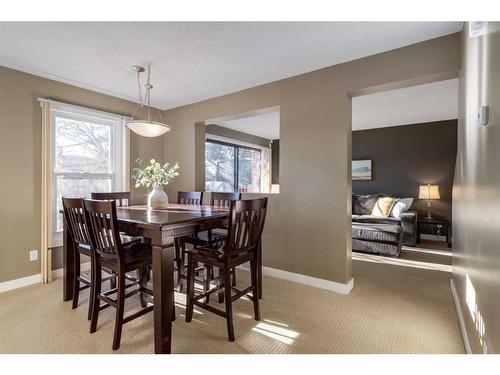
404	144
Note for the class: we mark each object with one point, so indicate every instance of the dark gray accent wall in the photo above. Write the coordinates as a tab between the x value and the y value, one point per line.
404	157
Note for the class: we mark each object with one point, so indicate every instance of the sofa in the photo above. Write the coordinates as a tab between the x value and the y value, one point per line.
380	235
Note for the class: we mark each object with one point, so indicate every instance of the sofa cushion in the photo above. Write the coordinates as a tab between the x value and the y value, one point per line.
376	219
363	204
376	232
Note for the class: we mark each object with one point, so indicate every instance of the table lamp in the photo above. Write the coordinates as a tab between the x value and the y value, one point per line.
428	192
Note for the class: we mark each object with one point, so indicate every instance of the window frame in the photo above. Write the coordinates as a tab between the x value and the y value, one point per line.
119	154
236	166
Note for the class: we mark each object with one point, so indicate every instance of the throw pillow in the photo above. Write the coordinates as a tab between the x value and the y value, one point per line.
401	205
363	204
383	206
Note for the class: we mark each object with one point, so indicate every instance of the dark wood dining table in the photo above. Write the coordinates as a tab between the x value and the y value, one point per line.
161	226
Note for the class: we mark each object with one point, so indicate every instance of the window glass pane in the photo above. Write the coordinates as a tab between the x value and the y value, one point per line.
82	146
248	170
77	188
219	167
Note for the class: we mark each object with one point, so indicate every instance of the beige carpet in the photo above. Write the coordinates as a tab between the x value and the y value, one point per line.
397	306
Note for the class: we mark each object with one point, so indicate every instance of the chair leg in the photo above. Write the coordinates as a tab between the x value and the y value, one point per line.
207	283
142	276
120	305
97	291
112	281
180	249
221	291
190	288
92	288
76	283
255	294
233	275
229	303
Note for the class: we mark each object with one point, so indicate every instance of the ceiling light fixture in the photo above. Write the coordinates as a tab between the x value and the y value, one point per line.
146	128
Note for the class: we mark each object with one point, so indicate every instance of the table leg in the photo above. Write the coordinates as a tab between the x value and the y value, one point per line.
163	292
259	270
68	264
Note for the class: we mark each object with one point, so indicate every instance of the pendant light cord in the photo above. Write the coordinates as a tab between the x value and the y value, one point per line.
147	96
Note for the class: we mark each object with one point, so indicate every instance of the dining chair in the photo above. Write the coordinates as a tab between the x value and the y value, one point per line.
108	252
246	223
122	198
190	197
74	215
211	237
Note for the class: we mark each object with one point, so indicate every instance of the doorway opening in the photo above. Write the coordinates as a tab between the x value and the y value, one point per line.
404	144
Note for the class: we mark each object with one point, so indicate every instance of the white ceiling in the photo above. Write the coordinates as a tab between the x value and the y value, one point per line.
435	101
193	61
266	125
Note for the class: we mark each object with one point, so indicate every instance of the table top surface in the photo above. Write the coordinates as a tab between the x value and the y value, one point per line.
173	214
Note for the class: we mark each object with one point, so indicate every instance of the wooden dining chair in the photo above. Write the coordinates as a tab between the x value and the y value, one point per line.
74	216
246	223
211	237
190	197
223	199
109	252
122	198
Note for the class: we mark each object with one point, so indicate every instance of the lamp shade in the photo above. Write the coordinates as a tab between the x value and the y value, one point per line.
148	128
428	192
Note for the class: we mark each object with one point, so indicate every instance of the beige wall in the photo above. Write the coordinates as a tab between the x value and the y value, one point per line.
476	192
308	228
20	152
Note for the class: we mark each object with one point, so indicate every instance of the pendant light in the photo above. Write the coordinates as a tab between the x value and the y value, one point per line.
146	128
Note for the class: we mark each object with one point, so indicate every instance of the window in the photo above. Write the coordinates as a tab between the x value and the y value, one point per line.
87	156
233	167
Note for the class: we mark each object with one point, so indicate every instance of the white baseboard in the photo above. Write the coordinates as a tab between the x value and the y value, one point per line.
465	337
268	271
34	279
307	280
21	282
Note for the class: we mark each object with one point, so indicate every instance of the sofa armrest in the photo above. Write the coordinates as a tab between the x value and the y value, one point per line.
409	227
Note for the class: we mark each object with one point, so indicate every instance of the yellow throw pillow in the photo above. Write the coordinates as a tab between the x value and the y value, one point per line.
383	206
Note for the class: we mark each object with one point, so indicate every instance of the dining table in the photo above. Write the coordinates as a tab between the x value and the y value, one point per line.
162	227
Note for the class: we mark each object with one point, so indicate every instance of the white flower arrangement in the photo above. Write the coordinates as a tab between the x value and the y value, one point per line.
154	174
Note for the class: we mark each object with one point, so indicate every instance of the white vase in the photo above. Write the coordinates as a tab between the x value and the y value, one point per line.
157	198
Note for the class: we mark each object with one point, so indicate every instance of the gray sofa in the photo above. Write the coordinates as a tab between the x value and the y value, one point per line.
380	235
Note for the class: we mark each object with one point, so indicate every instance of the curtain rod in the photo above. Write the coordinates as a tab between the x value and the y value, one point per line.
45	100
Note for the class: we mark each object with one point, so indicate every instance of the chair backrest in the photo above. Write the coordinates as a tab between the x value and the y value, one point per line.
246	223
189	197
122	198
74	215
224	199
103	227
